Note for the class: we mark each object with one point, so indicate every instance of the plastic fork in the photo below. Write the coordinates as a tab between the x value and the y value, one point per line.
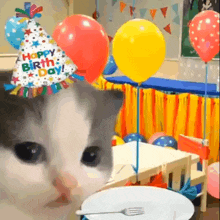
128	211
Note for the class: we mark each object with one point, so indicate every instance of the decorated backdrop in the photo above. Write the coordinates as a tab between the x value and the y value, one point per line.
164	14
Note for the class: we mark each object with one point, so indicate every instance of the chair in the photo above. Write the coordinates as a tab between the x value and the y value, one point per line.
173	172
195	145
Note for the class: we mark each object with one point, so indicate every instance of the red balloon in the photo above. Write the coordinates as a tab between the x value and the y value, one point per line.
204	34
85	42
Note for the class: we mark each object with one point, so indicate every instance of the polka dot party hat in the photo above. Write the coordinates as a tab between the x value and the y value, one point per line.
42	66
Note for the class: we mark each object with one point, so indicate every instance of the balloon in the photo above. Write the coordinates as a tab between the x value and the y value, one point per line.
204	34
155	136
213	180
171	148
166	141
116	140
111	66
14	31
134	137
85	41
139	49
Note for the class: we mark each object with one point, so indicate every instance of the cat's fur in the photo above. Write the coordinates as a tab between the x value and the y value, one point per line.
64	124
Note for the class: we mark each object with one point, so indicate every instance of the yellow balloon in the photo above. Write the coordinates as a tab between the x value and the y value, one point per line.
139	49
170	148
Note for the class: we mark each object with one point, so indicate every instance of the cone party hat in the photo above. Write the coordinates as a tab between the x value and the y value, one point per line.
42	66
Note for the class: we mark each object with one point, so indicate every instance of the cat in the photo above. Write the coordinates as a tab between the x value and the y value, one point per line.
55	150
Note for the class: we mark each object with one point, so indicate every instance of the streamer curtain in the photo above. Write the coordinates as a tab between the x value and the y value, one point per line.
173	114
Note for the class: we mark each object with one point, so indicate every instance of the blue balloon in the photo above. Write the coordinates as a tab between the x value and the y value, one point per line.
14	31
111	66
166	141
134	137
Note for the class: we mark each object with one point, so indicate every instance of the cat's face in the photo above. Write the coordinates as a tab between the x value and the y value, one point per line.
56	148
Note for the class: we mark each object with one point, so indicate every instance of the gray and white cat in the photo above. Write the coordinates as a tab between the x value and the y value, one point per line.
55	151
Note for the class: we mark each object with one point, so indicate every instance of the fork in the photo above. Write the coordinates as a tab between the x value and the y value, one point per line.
128	211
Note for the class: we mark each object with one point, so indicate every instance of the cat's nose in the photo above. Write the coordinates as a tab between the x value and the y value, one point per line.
64	183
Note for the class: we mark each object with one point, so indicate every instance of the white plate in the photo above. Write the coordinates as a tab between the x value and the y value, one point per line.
158	203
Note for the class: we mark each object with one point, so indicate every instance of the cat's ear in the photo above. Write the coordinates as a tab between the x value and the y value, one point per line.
116	98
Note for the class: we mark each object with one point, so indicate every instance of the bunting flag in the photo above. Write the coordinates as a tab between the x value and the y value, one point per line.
132	10
175	8
122	6
143	12
153	12
110	38
95	15
177	20
164	11
113	2
167	29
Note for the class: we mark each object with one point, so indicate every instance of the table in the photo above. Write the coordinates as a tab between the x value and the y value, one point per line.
152	158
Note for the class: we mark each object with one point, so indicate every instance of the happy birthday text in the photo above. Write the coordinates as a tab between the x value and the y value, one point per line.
45	62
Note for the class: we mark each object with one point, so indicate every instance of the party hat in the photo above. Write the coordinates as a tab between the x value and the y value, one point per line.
42	66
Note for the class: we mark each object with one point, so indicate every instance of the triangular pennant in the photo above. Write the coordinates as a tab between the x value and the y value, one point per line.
132	10
177	20
113	2
153	12
164	11
143	12
175	8
167	29
122	6
95	15
110	38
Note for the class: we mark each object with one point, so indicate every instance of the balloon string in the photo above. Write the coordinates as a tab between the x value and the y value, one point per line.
97	8
133	8
205	107
138	130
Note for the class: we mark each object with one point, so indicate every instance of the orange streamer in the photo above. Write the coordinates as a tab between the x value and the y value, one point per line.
142	112
175	113
123	116
153	110
187	114
165	113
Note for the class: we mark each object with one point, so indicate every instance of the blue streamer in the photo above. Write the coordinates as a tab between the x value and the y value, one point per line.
27	6
81	78
38	15
9	87
54	88
189	191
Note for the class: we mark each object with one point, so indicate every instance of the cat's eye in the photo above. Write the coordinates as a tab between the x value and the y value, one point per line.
30	152
91	156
